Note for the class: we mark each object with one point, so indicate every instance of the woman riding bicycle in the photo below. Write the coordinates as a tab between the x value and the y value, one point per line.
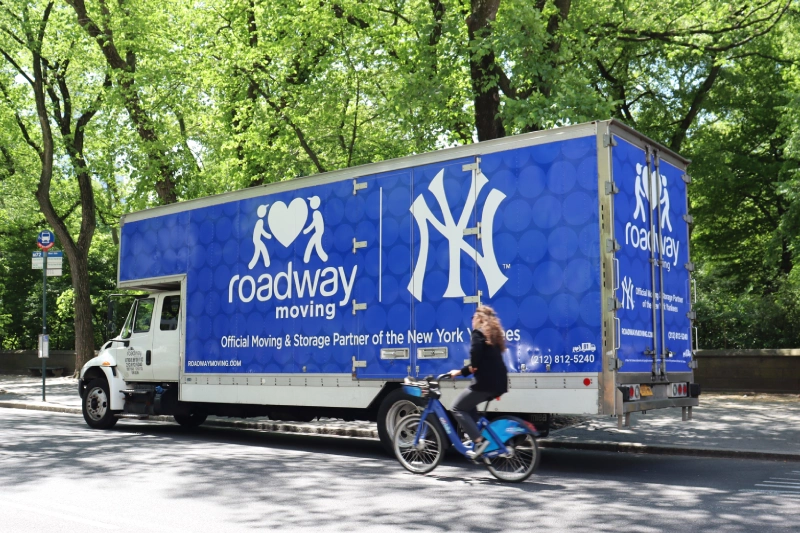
489	372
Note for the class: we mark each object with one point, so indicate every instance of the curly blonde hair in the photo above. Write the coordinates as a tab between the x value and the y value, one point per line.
486	320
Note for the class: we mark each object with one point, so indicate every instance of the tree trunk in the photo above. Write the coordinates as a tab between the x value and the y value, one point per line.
482	67
84	327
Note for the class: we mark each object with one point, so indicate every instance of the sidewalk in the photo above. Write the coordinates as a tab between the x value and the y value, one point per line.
762	426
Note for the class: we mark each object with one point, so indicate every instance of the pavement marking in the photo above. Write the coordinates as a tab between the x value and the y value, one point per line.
37	510
779	486
784	486
780	492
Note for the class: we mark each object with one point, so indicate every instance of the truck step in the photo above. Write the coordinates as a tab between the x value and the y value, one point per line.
132	416
136	391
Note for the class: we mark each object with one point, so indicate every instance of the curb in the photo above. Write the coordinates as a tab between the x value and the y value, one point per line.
635	447
334	430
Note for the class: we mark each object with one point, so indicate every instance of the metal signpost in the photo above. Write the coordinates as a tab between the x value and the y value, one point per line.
45	241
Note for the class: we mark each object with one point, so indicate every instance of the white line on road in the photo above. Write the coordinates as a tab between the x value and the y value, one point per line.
787	478
783	492
60	515
778	486
783	482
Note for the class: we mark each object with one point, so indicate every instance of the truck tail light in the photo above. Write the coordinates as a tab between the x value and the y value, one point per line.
633	392
678	390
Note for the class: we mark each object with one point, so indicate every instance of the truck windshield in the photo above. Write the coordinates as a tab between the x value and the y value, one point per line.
127	328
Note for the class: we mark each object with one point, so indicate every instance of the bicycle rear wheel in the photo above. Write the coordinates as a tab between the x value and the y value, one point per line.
428	453
521	459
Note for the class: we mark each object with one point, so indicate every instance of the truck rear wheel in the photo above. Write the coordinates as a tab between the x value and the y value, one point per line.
192	420
97	405
395	407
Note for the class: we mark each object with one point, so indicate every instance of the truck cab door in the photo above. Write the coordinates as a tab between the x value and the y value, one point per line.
135	362
165	361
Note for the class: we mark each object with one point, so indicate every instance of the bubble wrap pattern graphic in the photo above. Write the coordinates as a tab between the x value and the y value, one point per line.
545	239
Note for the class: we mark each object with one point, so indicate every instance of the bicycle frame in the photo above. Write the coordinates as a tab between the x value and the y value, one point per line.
496	447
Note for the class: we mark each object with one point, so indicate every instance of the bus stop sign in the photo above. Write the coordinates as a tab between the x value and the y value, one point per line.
46	240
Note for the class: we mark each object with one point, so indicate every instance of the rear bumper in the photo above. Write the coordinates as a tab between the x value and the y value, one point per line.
661	403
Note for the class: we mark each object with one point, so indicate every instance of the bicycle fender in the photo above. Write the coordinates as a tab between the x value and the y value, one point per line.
506	429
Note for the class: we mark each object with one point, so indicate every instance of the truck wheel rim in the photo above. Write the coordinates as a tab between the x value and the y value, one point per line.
96	403
398	412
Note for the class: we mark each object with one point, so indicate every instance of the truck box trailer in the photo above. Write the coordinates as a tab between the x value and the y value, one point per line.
317	296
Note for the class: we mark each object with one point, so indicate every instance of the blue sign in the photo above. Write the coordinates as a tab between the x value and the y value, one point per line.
46	240
50	255
319	279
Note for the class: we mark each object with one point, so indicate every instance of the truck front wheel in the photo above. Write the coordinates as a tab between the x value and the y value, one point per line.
395	407
97	405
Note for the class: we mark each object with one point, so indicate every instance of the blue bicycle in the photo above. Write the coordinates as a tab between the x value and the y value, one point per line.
419	440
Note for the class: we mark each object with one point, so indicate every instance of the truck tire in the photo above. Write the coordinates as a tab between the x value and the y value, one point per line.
96	405
395	407
192	420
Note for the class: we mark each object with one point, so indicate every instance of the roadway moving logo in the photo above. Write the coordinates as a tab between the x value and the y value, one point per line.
454	233
286	223
651	190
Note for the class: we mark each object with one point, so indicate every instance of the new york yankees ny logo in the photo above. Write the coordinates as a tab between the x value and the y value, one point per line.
454	233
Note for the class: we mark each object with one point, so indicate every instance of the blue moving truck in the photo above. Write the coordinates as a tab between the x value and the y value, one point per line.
316	297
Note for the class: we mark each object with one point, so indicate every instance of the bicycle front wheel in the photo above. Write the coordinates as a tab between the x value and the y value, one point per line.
519	461
427	453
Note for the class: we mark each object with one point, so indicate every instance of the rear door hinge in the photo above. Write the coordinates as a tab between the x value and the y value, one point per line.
688	218
614	363
613	304
358	307
612	246
609	140
686	178
611	187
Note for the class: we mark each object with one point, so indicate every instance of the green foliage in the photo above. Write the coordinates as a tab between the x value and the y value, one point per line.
209	97
735	319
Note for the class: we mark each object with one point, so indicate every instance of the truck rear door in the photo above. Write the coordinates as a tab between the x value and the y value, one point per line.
651	230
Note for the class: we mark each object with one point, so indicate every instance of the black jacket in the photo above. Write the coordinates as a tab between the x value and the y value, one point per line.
491	375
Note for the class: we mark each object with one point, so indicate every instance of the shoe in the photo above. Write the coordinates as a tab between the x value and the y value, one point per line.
476	452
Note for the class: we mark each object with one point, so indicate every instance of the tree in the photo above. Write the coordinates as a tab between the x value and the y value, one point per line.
46	67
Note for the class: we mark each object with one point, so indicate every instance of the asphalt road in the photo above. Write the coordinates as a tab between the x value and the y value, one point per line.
58	475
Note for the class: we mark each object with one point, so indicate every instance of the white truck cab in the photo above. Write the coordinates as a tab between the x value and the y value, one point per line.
144	356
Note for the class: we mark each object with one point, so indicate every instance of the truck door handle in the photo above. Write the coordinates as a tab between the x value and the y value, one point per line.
147	357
